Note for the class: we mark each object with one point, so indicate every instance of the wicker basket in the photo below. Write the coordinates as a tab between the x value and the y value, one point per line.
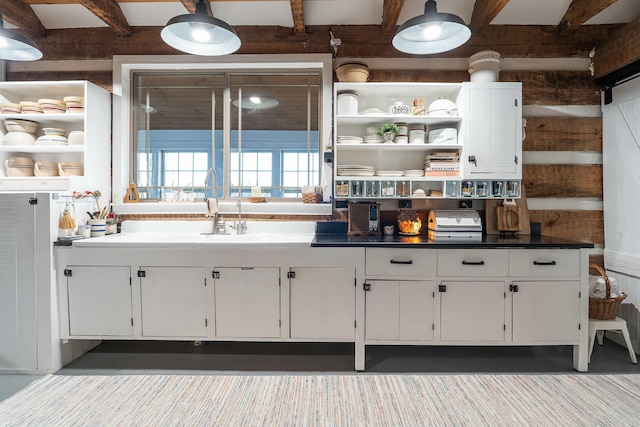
604	308
311	197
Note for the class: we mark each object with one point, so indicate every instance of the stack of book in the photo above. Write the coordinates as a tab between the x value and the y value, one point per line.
445	163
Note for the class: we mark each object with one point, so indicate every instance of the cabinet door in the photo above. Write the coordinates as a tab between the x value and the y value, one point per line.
18	300
494	137
173	302
546	311
472	311
247	302
100	301
323	303
399	310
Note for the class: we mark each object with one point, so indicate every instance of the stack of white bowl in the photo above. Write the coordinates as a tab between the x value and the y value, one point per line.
10	108
52	106
20	132
75	104
30	107
45	168
19	166
70	169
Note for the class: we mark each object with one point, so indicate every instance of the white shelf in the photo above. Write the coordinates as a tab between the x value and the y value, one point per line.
42	149
397	147
371	119
46	118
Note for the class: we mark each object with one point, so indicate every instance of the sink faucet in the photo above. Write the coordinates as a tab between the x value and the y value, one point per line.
240	227
218	225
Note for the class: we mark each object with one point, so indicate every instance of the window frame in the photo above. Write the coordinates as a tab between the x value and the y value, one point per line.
126	66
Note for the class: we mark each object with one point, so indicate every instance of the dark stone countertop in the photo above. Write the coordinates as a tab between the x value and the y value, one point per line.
335	235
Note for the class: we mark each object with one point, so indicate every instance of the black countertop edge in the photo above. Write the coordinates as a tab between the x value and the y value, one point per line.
424	241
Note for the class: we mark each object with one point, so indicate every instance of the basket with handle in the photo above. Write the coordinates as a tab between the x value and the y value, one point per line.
604	308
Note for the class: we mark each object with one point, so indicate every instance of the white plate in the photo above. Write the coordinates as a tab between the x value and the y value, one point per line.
51	140
355	167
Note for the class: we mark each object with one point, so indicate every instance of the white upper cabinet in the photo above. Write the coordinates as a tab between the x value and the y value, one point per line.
493	130
466	141
78	161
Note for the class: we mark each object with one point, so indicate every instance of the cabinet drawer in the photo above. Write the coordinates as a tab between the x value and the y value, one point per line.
473	262
400	262
11	185
38	184
544	262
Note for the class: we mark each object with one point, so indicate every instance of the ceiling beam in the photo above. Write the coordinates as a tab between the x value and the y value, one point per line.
298	16
619	49
484	11
190	5
110	13
580	11
390	13
20	14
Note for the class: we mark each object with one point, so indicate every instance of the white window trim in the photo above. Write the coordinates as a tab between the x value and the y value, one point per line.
124	65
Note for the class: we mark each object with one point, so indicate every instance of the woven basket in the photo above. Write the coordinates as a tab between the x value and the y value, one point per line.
311	197
604	308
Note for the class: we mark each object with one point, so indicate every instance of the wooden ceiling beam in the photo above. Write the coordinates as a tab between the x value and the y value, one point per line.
619	49
190	5
484	11
580	11
390	13
297	12
110	13
20	14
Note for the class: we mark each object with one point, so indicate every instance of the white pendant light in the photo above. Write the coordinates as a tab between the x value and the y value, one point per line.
200	34
16	47
431	33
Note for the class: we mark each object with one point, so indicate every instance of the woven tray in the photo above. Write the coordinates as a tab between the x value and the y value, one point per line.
604	308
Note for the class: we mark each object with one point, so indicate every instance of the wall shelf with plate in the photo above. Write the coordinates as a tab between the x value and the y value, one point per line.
71	139
449	141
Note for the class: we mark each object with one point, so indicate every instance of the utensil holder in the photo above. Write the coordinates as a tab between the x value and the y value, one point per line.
98	227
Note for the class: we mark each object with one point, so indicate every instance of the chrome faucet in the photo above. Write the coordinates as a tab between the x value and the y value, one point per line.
218	225
240	227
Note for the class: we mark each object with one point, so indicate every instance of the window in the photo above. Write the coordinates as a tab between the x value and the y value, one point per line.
257	124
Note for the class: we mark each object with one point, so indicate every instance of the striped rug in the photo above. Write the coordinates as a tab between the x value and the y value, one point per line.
326	400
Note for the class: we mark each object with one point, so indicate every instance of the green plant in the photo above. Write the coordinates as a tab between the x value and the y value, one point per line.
389	127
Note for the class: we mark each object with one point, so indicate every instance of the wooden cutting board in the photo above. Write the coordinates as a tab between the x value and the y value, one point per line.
491	219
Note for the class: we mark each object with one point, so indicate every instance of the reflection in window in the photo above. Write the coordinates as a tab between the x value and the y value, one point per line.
266	135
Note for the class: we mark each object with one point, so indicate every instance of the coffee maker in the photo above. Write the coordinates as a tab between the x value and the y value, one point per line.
364	219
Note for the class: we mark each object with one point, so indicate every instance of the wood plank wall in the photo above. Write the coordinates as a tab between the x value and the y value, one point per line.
562	152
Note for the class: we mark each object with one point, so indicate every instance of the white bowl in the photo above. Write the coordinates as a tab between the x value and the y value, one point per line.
45	168
18	138
54	131
70	169
16	125
442	107
76	137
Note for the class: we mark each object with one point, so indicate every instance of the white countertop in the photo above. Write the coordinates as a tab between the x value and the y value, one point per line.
194	234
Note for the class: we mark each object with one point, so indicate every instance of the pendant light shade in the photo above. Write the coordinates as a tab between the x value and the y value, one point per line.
16	47
200	34
431	33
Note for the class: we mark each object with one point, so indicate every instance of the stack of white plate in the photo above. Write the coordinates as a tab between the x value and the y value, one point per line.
389	173
414	172
75	104
345	139
356	170
373	139
30	107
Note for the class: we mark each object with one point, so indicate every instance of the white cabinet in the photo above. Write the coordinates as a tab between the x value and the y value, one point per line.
546	311
487	145
472	311
95	121
322	303
173	301
399	310
247	302
493	131
99	301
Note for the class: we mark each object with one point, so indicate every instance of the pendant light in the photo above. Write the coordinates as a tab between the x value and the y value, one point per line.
432	32
16	47
200	34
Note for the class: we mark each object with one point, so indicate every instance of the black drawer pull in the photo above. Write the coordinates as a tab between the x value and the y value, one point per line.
393	261
544	263
472	262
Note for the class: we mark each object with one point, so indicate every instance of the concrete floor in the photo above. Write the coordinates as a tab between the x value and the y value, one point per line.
148	357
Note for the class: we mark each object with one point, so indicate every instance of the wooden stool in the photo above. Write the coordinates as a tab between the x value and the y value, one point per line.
598	327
